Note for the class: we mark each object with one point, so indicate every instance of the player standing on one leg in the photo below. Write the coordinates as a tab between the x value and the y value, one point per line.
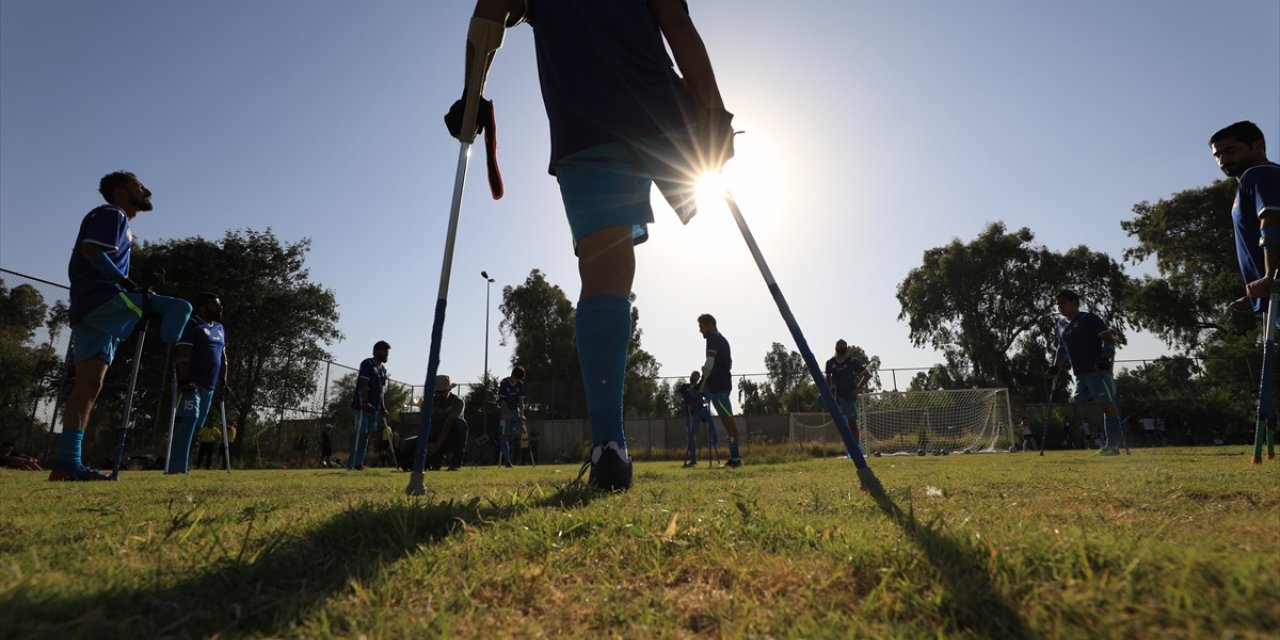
695	412
367	403
105	306
846	376
511	398
621	120
1088	345
717	382
201	368
1241	152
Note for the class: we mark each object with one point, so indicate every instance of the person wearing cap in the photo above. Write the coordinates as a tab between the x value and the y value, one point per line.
1088	345
105	306
448	441
367	403
846	375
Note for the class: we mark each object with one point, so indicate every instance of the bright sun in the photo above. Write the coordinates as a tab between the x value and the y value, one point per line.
756	182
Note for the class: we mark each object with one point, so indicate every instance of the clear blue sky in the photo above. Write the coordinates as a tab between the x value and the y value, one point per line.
876	130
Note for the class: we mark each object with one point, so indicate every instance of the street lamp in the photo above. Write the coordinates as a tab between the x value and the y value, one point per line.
484	409
487	282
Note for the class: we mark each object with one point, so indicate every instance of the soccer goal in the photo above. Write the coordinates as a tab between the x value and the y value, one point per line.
919	423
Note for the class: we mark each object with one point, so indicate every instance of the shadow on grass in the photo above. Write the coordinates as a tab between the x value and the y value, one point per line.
976	603
275	582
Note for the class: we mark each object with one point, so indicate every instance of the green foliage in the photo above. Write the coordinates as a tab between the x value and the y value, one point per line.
642	395
1189	237
790	387
541	320
988	306
27	370
278	321
539	317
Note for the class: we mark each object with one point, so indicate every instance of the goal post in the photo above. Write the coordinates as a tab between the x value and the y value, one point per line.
919	423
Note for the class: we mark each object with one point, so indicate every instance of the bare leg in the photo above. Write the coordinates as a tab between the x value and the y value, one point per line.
607	263
89	376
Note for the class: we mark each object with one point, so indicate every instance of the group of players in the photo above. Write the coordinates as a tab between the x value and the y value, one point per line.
621	121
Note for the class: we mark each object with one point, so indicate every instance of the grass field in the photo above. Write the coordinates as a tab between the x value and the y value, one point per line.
1166	543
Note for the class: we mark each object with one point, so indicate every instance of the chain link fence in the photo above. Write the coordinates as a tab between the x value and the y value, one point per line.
36	374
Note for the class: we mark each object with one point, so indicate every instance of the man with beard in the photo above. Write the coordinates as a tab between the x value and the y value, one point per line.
105	306
201	370
846	376
1241	152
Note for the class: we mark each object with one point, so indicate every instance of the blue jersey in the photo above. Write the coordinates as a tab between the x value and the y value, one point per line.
845	376
510	393
1079	341
605	73
375	376
1259	191
690	396
107	226
720	380
207	341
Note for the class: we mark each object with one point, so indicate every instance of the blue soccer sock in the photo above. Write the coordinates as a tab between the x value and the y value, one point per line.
604	333
733	449
69	446
1111	426
506	452
184	429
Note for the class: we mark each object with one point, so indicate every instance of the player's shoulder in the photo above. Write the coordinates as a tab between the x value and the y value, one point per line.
1265	173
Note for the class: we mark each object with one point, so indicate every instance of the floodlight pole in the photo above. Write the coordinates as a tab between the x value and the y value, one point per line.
484	409
487	282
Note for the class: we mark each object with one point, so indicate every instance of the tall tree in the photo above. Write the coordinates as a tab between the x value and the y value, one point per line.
278	321
25	366
1190	237
539	317
640	396
985	301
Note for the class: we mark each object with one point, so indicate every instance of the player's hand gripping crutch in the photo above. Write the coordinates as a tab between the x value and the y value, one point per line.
865	475
1265	428
484	37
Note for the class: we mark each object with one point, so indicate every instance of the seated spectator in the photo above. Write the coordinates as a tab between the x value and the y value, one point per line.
14	460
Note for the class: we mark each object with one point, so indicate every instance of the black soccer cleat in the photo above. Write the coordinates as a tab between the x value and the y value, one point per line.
610	472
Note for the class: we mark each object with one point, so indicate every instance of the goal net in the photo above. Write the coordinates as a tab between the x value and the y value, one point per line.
917	422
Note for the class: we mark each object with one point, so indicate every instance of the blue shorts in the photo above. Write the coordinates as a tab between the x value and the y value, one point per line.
103	329
849	407
720	400
608	185
1098	386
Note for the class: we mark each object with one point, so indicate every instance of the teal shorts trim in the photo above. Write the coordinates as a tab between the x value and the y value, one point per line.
720	400
100	333
609	185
